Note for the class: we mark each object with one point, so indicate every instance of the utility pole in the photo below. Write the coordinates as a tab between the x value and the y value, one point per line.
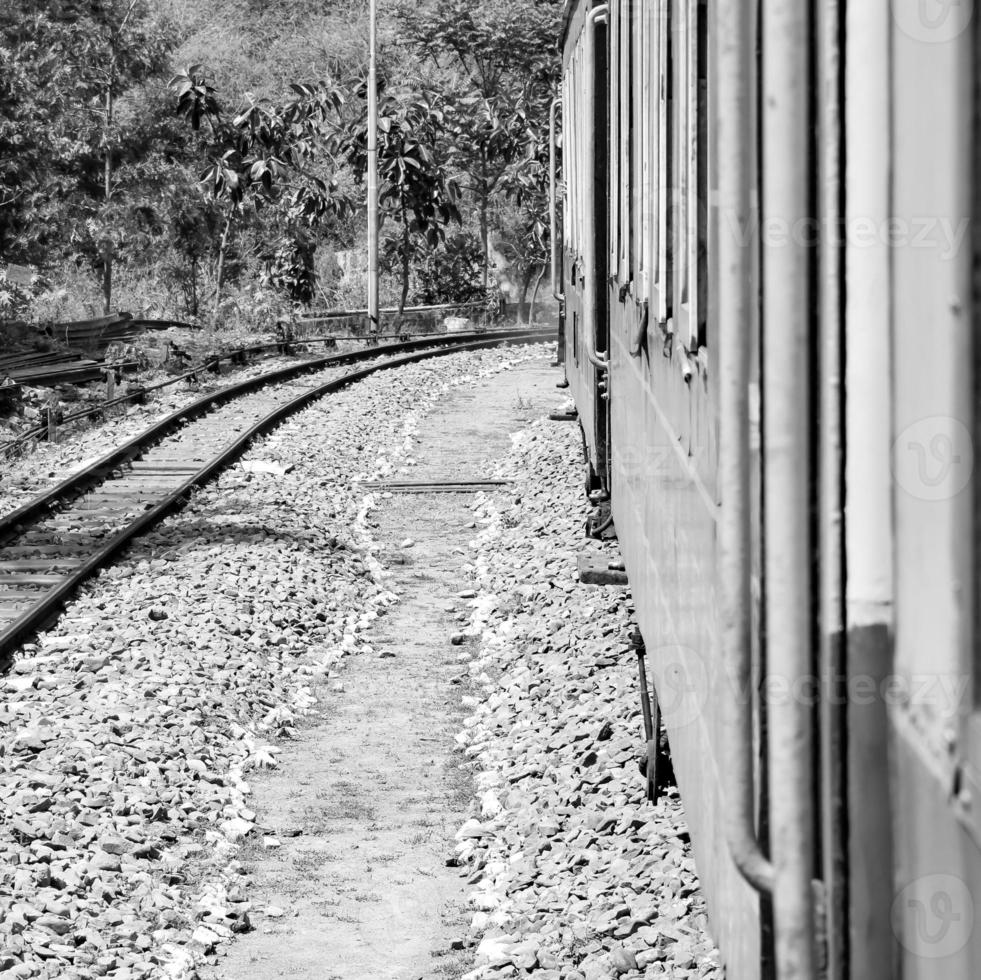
374	325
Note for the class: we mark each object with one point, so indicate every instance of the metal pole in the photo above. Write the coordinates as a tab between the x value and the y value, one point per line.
787	326
735	44
373	324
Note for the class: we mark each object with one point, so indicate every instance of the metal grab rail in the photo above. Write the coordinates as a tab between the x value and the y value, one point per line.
598	15
734	42
786	155
552	209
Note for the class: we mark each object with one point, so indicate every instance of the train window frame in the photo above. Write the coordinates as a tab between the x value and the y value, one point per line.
661	291
647	195
613	129
584	162
689	117
576	153
625	146
651	144
624	149
568	140
682	114
572	124
613	135
638	128
699	243
575	93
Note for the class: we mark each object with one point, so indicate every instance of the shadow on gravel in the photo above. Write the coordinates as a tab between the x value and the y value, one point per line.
208	533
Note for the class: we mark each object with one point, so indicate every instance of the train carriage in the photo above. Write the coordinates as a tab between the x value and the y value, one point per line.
768	278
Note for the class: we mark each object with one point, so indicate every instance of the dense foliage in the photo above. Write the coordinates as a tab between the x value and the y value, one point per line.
209	158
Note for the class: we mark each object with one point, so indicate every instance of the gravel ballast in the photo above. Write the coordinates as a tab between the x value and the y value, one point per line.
127	732
40	466
575	876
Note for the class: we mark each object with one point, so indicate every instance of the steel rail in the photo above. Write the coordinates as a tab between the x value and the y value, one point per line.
92	474
32	619
475	306
213	363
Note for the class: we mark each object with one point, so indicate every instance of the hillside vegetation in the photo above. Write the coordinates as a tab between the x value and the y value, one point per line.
206	159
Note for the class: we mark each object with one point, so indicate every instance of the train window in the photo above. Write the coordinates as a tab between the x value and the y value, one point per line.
637	196
688	140
575	128
646	192
651	138
613	129
581	168
665	168
567	153
683	110
623	152
571	122
585	165
613	170
701	163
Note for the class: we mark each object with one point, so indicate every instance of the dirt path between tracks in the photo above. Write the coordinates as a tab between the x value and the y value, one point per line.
351	882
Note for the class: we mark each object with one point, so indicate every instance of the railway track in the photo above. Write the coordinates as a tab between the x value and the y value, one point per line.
55	542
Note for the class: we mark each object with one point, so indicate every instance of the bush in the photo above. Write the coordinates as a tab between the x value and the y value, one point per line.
16	296
451	272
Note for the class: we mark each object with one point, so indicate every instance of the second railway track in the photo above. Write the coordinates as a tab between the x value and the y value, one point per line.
56	541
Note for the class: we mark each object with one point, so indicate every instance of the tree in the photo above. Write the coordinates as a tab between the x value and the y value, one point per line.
123	49
451	272
414	190
526	186
29	65
499	61
268	154
64	66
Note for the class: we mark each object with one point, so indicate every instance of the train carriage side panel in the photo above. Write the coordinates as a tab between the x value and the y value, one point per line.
936	726
663	422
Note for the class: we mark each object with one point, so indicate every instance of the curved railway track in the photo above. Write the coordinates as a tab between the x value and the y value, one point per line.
55	542
94	370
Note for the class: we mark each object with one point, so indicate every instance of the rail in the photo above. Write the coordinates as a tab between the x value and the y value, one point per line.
28	622
785	109
735	314
212	363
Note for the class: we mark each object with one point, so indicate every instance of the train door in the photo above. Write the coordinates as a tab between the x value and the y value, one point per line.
826	486
585	150
807	726
893	841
